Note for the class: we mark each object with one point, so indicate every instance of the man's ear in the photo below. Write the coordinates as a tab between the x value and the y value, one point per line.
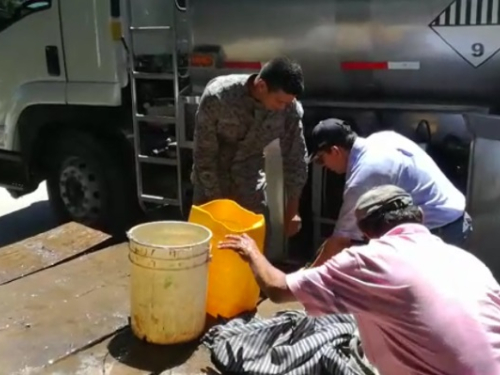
261	85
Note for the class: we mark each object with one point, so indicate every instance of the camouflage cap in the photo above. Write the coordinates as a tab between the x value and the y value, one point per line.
382	199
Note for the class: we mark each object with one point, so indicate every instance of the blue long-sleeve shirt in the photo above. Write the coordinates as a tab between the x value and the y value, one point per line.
389	158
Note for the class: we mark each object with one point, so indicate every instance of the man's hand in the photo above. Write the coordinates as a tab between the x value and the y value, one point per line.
293	222
243	244
294	226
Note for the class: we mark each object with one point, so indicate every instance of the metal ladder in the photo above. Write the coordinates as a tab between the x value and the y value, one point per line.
140	120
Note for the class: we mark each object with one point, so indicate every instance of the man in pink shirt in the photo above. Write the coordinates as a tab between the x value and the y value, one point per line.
423	307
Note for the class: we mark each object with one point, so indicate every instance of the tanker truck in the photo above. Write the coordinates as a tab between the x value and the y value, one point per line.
98	97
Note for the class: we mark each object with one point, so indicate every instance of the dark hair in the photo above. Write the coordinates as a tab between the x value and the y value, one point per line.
380	223
283	74
347	136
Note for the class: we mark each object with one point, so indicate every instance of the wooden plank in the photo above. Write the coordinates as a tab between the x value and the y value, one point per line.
125	355
51	314
47	249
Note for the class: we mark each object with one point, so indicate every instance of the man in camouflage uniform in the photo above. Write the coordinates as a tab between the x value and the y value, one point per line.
238	116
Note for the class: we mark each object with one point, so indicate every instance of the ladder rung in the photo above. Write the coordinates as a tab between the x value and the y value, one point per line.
183	91
155	119
149	28
187	144
191	99
157	160
159	200
158	76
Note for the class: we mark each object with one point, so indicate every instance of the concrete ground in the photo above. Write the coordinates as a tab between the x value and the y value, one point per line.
24	217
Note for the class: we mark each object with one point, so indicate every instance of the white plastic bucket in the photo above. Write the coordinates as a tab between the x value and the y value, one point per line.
168	280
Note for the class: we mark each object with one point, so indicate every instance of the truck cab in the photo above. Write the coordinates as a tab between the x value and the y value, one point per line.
65	106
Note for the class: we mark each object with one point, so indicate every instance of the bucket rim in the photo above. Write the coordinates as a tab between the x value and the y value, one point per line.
132	238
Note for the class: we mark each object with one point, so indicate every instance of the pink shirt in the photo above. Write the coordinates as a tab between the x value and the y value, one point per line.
422	306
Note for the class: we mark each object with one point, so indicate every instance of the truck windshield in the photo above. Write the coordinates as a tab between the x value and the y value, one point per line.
12	11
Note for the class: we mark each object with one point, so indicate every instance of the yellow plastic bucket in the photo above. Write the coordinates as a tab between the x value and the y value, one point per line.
232	288
168	280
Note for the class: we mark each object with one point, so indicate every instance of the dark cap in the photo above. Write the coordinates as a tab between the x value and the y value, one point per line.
384	198
328	133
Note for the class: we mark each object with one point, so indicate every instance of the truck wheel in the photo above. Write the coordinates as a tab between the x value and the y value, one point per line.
88	182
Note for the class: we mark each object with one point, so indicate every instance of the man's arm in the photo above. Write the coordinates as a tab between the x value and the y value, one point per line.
320	290
346	229
294	151
206	147
271	280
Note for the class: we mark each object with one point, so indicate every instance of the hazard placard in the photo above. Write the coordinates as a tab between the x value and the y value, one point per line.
471	28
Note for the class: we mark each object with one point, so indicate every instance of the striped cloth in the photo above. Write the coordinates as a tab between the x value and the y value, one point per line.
290	343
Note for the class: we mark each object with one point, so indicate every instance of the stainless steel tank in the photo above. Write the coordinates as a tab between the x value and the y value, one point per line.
426	51
383	64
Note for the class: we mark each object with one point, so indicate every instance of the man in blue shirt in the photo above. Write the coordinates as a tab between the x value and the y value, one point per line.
385	158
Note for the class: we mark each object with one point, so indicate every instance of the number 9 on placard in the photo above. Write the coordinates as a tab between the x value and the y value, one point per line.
477	49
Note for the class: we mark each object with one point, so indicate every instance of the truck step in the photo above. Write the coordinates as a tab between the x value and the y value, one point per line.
159	200
153	76
156	160
166	120
150	28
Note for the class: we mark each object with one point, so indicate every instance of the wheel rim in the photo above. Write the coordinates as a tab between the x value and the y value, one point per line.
80	190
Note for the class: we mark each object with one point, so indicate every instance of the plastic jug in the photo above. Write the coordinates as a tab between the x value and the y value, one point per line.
232	288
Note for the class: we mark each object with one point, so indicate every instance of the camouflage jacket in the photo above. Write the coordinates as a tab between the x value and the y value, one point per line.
232	129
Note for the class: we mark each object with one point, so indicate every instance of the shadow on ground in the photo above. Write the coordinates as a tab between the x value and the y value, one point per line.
26	222
134	353
38	218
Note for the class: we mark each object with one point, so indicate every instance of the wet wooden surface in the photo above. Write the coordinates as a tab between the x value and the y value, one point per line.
65	312
53	313
124	355
46	249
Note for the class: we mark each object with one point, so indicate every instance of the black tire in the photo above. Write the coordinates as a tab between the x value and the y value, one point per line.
88	182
